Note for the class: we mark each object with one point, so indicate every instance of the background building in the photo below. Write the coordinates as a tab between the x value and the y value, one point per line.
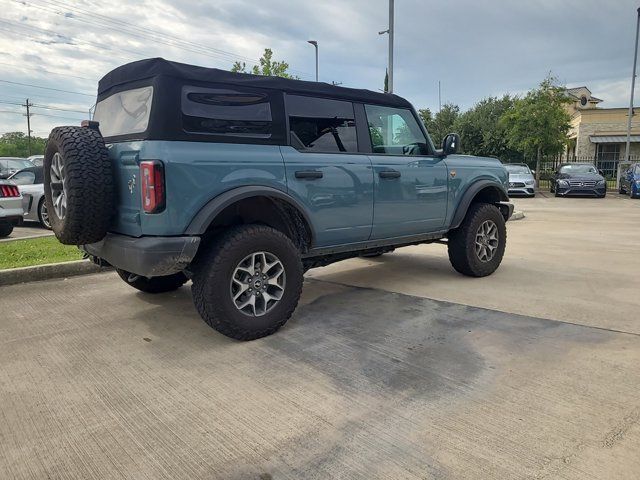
599	134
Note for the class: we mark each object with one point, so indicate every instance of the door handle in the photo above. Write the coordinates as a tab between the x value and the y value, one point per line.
309	174
389	174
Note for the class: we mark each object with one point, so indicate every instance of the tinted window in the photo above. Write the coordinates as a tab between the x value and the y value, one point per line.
24	178
125	112
637	170
321	125
395	131
230	112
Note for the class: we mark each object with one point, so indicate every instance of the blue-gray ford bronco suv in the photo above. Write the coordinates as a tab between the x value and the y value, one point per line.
241	183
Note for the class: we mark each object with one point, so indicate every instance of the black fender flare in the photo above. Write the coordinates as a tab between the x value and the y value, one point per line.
469	195
211	209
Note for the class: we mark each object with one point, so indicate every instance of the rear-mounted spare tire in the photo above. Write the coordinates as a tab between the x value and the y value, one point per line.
78	185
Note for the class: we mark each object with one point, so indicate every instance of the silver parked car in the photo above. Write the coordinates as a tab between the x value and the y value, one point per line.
10	207
30	181
37	160
521	181
10	165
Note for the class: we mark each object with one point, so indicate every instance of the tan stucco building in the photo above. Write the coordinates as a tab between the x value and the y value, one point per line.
599	134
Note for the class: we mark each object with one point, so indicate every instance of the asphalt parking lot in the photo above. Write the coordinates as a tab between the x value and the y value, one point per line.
393	368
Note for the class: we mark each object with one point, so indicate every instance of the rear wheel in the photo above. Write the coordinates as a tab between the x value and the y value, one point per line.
164	284
477	246
247	283
5	230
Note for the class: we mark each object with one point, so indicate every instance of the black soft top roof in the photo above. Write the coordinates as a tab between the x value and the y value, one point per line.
155	67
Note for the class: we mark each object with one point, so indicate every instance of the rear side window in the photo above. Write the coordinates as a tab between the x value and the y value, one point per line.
229	112
321	125
125	113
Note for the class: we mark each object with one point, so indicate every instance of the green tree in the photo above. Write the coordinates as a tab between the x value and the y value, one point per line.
441	123
267	67
481	131
16	144
538	123
386	81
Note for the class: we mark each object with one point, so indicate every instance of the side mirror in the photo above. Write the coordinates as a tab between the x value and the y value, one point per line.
451	144
601	172
533	172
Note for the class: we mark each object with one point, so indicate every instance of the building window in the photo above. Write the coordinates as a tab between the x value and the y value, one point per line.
607	158
321	125
583	101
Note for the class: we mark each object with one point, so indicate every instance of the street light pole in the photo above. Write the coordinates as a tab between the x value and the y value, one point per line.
390	32
315	44
633	86
391	46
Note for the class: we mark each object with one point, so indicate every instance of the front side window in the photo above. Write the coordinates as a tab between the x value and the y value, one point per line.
124	113
321	125
395	131
224	111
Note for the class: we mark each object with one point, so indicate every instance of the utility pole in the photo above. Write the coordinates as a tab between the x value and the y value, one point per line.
390	32
633	86
28	115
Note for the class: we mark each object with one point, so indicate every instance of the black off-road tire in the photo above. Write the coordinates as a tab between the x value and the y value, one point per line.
164	284
461	241
89	185
213	271
5	230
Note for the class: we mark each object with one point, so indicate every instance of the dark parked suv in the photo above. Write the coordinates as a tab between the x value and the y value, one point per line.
241	183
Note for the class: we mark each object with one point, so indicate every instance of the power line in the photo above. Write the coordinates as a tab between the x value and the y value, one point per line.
142	32
47	88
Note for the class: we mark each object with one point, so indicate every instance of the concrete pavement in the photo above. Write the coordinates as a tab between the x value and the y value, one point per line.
100	381
571	259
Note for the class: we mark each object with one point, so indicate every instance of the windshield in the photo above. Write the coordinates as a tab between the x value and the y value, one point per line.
578	168
518	169
18	164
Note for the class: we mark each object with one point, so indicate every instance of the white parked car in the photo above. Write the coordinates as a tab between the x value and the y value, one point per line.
10	207
30	181
521	180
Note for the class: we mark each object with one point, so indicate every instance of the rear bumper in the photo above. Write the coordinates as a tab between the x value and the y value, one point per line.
146	256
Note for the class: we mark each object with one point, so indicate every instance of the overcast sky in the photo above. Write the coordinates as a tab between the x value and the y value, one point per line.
476	48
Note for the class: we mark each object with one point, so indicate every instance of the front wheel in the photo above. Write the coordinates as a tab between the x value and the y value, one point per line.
247	283
477	246
164	284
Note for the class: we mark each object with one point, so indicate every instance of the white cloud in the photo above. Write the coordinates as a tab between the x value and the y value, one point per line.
475	47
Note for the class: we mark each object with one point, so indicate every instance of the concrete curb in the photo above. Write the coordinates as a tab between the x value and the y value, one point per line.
519	215
48	271
28	237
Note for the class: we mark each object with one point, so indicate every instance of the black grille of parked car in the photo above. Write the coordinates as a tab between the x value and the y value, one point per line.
582	183
516	184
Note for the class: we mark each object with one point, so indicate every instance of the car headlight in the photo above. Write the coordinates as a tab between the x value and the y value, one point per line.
529	182
600	182
563	183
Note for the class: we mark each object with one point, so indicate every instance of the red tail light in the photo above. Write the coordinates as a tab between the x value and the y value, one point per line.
153	192
9	191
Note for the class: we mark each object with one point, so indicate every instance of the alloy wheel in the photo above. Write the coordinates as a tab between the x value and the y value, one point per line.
486	241
58	188
257	283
